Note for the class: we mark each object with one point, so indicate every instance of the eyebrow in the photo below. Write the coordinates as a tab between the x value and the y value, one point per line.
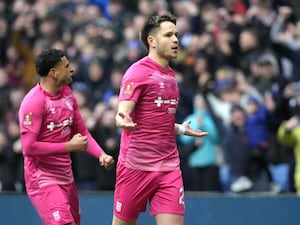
67	64
170	33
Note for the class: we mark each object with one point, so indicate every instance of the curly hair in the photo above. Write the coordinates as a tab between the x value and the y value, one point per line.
48	59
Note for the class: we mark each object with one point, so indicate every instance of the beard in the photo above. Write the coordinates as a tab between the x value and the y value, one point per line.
69	81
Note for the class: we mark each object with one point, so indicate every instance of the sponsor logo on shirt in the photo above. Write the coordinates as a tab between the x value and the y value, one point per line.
67	122
172	110
128	88
27	121
160	101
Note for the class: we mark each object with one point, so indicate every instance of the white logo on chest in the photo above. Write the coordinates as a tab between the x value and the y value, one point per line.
159	101
67	122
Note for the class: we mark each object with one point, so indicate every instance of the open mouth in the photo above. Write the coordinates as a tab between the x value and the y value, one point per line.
175	49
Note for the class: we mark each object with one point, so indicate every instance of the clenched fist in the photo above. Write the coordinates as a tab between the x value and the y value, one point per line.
107	161
78	143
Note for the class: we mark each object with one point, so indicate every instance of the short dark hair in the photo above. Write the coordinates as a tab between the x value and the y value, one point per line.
48	59
152	23
237	107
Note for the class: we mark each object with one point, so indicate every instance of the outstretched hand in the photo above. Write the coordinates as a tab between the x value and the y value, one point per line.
192	132
124	121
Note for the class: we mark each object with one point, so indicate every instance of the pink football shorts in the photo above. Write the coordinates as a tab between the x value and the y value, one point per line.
57	204
134	188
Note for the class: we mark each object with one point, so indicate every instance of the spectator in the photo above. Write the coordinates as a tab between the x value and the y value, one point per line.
84	165
288	133
113	87
107	133
259	141
6	163
237	151
285	36
204	160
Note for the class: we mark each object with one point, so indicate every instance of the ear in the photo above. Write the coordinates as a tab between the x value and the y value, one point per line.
52	73
151	41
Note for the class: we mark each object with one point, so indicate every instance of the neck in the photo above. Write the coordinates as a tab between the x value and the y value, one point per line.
48	86
161	61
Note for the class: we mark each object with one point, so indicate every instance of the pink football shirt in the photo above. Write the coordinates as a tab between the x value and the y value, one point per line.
152	145
46	122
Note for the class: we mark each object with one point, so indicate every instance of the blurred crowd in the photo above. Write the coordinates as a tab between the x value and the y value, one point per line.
238	70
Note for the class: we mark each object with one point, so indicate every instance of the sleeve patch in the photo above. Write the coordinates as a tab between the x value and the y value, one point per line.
128	88
27	121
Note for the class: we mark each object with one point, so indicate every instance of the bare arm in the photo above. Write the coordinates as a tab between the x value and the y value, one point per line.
123	119
185	129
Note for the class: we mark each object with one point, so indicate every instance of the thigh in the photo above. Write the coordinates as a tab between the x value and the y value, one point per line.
72	196
167	219
118	221
132	191
169	195
53	205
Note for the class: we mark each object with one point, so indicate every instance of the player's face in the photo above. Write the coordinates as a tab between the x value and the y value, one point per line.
64	72
167	41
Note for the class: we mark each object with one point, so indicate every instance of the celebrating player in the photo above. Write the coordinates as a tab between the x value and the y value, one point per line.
148	164
51	127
